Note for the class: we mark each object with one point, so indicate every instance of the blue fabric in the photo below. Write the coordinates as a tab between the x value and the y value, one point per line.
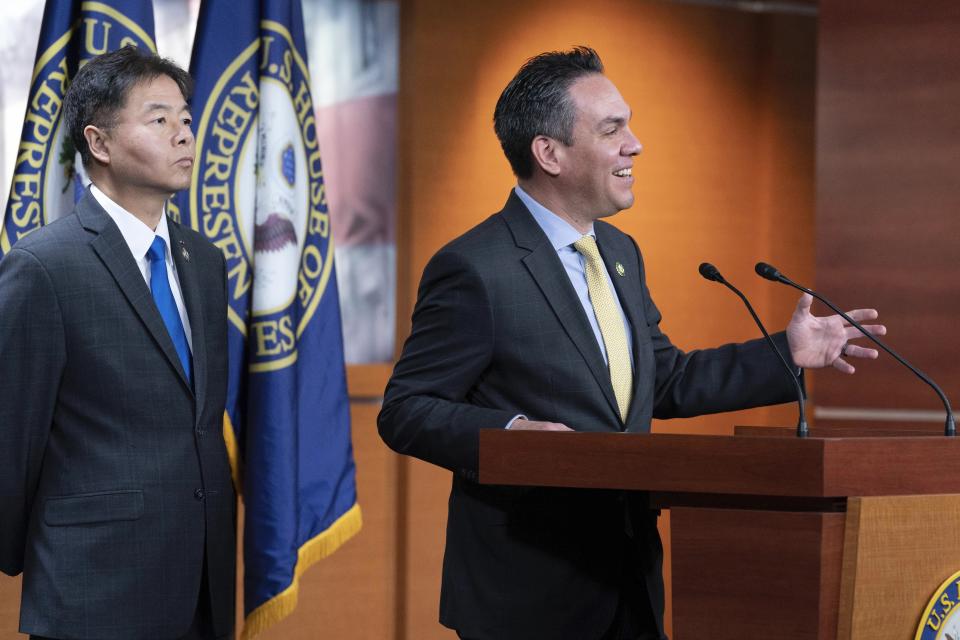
287	397
41	188
166	305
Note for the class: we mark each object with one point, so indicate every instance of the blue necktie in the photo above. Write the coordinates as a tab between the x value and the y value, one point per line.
160	286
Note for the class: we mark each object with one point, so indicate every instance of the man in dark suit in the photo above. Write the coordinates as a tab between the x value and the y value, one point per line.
115	490
540	318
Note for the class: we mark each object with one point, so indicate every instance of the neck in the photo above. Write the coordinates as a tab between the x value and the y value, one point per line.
145	207
549	197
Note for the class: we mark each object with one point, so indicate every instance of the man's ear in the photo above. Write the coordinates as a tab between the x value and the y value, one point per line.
547	153
97	141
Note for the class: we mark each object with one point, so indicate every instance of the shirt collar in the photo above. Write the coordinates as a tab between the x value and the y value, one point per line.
559	232
137	235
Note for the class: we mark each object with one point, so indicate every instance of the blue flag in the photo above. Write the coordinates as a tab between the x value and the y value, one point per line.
258	194
48	176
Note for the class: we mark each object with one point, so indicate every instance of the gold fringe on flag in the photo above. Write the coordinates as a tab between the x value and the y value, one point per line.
317	548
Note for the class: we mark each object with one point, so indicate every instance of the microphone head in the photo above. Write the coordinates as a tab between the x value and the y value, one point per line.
767	271
710	272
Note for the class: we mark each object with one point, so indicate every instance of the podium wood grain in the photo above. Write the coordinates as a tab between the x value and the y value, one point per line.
763	466
755	574
897	551
819	538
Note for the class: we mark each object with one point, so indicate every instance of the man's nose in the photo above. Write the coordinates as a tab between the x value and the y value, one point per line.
184	135
632	146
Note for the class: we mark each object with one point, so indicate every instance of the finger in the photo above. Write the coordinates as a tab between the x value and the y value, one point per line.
546	426
852	333
875	329
536	425
863	314
843	366
804	304
856	351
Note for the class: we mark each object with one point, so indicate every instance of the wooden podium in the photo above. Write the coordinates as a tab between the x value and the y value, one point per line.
771	536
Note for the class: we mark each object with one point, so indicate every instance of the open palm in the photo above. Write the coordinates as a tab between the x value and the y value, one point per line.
817	342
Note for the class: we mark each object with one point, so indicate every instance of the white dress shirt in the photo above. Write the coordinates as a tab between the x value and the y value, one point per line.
139	237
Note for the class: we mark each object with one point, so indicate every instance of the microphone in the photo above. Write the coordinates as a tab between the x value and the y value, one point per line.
710	272
770	272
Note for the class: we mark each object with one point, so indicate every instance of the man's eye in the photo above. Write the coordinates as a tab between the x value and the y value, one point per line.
188	121
161	120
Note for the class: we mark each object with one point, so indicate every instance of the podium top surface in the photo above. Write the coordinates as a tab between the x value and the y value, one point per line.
746	465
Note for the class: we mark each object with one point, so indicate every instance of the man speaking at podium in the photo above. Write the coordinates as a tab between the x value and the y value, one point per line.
540	318
115	489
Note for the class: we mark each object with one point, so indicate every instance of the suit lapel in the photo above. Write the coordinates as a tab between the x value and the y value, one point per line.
190	287
115	254
548	272
628	289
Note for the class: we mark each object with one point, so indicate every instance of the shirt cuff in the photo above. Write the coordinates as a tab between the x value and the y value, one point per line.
519	416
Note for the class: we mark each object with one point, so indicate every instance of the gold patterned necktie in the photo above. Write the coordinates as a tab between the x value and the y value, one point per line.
610	321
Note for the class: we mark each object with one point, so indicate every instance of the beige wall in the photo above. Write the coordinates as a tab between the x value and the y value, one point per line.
723	103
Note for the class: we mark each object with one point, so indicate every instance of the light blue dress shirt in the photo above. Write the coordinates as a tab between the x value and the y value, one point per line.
562	236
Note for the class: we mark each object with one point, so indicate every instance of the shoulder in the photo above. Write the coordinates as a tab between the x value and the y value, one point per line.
41	259
59	241
63	230
507	235
487	251
479	240
463	253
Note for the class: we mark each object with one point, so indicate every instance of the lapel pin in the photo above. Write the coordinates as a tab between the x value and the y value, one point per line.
186	254
620	270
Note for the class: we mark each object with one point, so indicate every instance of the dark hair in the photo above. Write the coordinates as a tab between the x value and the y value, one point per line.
100	90
537	102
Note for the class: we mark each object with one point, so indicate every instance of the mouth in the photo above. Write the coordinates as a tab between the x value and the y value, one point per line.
184	162
626	172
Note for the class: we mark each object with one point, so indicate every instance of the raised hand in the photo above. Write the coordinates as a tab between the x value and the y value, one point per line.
817	342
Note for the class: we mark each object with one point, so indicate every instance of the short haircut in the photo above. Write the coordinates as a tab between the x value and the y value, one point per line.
537	102
100	90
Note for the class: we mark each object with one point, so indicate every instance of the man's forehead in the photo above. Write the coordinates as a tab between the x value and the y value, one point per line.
156	93
596	96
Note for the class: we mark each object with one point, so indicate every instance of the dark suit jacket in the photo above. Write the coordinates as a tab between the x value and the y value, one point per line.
113	472
499	331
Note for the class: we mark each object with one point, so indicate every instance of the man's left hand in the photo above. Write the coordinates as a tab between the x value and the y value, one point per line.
817	342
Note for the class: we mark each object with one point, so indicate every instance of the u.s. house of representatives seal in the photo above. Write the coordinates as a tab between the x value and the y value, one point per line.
938	621
258	194
48	175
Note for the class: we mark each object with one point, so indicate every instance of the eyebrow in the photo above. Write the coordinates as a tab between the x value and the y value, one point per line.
163	106
617	120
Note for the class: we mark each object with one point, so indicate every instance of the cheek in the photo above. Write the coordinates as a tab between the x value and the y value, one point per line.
146	150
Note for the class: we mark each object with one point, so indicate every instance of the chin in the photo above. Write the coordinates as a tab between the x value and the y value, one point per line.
616	207
180	185
626	203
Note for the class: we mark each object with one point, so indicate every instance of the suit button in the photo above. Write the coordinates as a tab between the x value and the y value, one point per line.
198	494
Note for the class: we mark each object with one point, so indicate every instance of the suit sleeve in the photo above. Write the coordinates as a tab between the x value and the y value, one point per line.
32	357
726	378
427	410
